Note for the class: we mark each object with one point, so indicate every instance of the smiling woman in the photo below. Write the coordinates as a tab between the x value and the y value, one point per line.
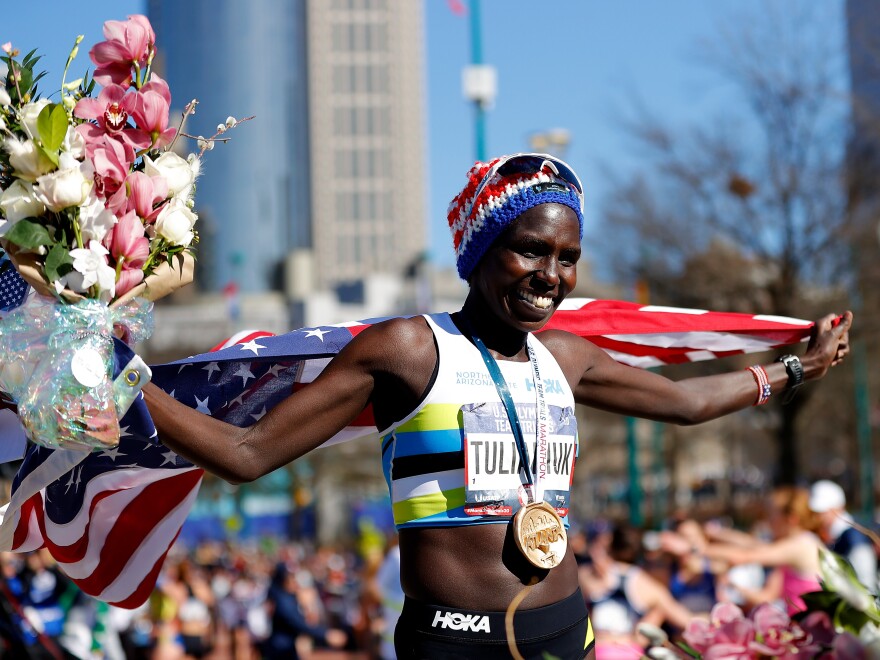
477	426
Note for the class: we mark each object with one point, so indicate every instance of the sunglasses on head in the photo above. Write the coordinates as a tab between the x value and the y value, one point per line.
532	164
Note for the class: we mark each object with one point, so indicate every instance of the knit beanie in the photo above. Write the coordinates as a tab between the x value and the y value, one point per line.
476	219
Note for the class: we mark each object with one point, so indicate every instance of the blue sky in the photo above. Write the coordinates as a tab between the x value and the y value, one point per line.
572	64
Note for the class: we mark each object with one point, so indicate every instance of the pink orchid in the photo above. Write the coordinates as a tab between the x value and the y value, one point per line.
819	627
128	42
141	194
848	647
151	110
112	160
723	651
738	633
726	636
111	111
130	248
724	613
699	634
780	636
159	86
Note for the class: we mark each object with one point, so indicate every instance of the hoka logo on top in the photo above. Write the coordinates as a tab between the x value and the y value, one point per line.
551	386
457	621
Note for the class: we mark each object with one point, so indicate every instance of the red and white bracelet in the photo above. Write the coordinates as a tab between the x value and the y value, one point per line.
763	382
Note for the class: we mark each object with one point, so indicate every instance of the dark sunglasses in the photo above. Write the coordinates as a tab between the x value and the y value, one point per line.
531	164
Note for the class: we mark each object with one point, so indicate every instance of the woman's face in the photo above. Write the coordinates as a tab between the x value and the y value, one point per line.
531	267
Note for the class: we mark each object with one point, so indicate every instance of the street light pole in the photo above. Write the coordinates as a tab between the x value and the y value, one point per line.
477	60
478	82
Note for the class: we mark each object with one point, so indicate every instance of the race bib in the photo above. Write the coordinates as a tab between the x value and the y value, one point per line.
493	474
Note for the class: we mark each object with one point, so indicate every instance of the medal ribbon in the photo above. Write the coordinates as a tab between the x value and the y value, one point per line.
534	490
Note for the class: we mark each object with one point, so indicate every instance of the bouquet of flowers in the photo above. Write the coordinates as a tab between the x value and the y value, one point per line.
841	622
96	214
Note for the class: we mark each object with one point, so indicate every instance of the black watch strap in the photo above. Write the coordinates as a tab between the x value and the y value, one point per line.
795	370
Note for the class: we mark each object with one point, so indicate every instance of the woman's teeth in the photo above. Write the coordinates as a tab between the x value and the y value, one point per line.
538	301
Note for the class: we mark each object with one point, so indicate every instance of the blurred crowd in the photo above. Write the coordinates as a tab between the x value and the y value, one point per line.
292	599
216	601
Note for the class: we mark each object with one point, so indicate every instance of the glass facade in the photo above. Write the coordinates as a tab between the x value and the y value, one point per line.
242	58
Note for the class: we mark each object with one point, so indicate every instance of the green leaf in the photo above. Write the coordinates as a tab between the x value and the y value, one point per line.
688	649
58	263
51	155
821	600
52	125
27	58
851	619
26	81
28	234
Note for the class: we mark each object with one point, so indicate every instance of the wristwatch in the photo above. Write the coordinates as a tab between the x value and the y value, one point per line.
795	370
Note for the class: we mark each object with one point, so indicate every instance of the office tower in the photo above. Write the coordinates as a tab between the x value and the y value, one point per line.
331	166
366	135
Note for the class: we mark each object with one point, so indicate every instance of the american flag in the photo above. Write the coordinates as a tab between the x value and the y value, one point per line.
13	288
110	517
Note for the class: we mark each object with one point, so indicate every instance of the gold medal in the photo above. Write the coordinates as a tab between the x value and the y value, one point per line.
540	535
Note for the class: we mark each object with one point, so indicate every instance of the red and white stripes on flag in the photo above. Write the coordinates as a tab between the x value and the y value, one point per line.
651	335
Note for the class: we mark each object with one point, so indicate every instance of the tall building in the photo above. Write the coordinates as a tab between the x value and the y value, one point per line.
327	181
367	136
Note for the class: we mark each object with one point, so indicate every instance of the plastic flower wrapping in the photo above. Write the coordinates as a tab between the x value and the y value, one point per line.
96	214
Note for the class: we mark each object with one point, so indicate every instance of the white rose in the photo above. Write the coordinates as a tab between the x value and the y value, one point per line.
95	220
62	189
28	116
175	170
74	143
5	99
175	224
27	161
17	202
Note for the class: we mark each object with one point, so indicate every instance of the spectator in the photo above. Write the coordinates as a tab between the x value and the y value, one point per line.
391	598
289	622
837	530
692	579
620	595
793	554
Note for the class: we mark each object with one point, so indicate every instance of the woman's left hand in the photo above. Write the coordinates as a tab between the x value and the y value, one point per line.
829	344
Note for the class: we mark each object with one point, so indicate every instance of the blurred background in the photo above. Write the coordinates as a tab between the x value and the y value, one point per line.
730	157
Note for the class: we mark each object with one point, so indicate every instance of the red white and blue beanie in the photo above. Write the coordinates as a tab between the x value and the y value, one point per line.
476	223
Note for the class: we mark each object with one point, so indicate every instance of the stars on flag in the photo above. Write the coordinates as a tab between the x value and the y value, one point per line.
252	345
317	332
113	453
211	367
244	372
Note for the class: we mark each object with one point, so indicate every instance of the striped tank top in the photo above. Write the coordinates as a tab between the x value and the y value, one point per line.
453	461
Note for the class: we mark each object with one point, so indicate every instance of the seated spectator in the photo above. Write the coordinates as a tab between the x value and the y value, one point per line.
620	595
692	579
837	529
793	554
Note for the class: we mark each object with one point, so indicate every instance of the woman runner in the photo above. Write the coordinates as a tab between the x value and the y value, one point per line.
460	399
